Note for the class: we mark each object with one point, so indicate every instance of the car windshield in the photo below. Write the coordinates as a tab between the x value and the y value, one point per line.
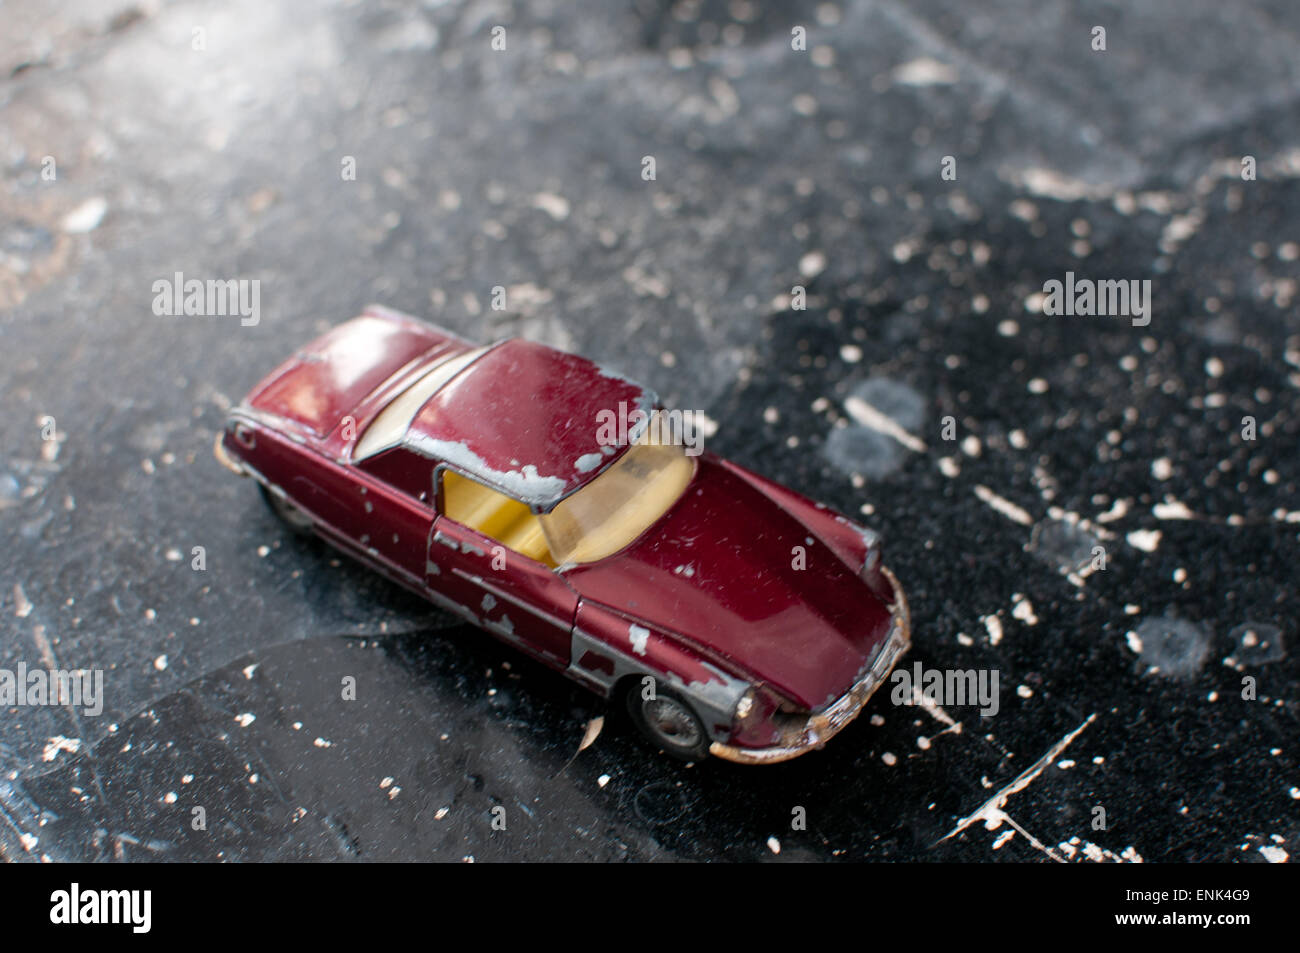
619	505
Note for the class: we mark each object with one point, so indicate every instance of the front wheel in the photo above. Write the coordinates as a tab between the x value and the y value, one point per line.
290	515
667	721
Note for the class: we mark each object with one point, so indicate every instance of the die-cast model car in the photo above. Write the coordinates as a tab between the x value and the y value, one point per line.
727	614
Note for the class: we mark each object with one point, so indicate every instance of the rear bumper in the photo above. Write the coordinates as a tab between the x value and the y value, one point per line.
824	725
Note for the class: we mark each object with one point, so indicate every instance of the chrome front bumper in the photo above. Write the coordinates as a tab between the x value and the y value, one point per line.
824	725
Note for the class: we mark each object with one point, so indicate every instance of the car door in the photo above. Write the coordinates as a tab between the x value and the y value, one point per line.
390	511
517	598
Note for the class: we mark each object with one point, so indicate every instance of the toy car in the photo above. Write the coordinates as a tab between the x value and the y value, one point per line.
727	614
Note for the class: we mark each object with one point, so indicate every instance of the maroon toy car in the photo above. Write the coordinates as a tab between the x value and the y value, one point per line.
729	614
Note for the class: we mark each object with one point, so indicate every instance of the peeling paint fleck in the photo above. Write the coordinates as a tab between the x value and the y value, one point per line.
639	636
524	484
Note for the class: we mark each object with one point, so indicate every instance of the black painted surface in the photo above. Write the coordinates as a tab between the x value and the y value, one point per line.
774	168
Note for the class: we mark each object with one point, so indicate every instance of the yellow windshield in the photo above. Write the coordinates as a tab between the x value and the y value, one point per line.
619	505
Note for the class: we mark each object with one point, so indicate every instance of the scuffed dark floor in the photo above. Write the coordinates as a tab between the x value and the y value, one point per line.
523	169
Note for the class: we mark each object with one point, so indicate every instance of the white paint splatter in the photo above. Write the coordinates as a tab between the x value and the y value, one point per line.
812	264
991	812
59	743
1172	509
868	416
924	71
556	206
1004	506
1023	609
1147	540
85	217
23	607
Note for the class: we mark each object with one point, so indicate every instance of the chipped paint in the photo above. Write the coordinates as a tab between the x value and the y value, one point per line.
870	538
639	636
524	484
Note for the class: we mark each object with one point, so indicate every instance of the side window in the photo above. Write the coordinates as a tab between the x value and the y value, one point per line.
495	515
407	471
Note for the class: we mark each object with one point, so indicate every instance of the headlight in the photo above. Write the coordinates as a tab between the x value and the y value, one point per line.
757	716
745	707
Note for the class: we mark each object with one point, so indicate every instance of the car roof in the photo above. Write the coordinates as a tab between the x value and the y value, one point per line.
526	419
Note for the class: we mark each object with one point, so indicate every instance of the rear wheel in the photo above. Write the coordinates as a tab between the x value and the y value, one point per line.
667	721
290	515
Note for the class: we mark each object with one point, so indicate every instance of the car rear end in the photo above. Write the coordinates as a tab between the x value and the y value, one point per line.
311	397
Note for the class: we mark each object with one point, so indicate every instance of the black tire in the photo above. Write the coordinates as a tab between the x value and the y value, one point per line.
667	721
292	517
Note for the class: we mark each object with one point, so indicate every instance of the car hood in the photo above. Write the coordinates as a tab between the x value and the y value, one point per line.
729	569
